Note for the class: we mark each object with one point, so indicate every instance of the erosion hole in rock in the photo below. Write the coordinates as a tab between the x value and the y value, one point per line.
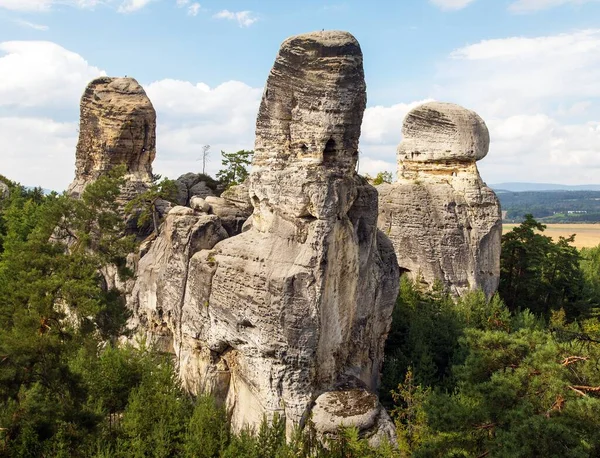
329	153
146	132
304	148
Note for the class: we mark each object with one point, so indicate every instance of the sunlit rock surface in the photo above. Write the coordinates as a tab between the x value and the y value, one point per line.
444	222
299	304
117	127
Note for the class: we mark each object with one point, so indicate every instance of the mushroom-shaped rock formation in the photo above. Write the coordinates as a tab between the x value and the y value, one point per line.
299	304
444	222
117	127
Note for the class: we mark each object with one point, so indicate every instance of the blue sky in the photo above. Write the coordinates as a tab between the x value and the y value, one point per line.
530	68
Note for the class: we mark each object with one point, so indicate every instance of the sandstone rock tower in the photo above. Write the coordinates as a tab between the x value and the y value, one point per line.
294	311
117	126
444	222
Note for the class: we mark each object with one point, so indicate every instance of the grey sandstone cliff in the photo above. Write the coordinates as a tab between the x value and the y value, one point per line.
294	311
117	127
444	222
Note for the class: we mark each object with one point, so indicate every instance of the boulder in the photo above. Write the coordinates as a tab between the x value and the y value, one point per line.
444	222
194	184
199	204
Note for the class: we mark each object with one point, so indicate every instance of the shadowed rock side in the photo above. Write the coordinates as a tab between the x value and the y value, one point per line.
444	222
117	126
299	304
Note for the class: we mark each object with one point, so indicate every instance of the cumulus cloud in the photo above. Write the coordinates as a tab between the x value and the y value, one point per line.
38	151
36	74
526	6
38	77
452	4
130	6
538	96
193	115
243	18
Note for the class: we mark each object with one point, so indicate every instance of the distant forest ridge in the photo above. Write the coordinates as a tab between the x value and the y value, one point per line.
520	187
551	206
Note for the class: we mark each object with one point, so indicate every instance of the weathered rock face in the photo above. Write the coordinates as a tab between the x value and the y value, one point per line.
299	304
192	184
444	222
117	126
4	191
156	299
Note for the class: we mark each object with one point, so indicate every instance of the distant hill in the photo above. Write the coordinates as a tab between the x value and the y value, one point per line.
520	187
558	206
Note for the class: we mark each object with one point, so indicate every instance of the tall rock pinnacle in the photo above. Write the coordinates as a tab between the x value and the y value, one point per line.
117	127
444	222
293	312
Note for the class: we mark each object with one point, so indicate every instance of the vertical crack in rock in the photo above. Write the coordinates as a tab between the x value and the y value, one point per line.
444	222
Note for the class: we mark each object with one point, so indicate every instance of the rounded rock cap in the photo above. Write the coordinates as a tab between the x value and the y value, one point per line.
325	43
437	131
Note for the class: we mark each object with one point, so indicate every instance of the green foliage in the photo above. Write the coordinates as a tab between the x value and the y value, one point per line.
515	386
207	434
409	414
155	417
424	336
51	304
144	205
538	274
516	397
380	178
235	167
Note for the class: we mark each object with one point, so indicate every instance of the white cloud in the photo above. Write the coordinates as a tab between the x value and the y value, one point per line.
193	115
182	3
523	75
452	4
38	151
194	9
539	97
38	77
45	5
526	6
382	125
130	6
27	5
243	18
42	74
31	25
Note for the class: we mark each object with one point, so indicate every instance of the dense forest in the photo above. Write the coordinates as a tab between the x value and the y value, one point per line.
514	376
552	206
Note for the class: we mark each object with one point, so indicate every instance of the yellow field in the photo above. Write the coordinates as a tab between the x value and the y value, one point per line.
587	235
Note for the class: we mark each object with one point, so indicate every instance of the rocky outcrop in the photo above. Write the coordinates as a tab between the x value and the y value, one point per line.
194	184
156	299
117	127
4	191
444	222
298	305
